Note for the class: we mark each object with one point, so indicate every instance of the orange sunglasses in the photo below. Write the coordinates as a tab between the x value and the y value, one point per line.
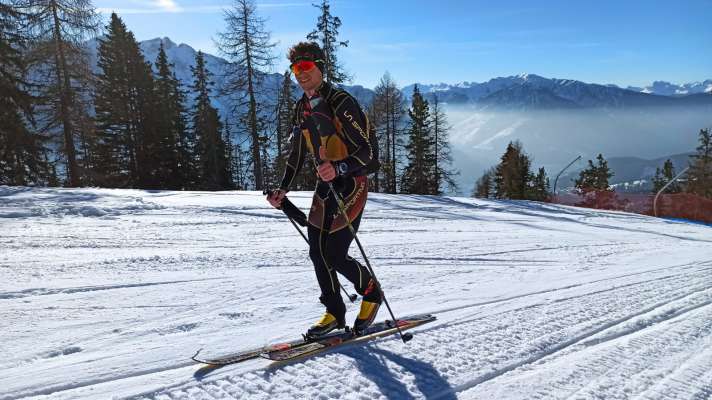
303	66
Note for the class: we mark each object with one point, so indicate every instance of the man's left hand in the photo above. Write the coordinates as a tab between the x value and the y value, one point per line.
326	171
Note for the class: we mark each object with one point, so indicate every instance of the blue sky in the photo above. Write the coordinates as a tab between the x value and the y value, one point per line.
625	42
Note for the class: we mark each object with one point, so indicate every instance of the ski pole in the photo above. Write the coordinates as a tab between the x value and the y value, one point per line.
405	337
352	297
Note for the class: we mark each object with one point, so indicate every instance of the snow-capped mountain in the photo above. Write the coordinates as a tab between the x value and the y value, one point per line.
182	56
530	91
670	89
520	92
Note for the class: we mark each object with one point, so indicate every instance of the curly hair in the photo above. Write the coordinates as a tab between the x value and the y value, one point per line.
305	50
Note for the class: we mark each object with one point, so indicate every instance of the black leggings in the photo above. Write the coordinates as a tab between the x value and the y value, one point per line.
329	253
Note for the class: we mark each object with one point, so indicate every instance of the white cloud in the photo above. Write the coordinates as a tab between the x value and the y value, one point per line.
167	5
172	6
140	7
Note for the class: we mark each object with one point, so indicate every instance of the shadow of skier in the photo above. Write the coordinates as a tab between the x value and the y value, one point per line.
204	371
371	361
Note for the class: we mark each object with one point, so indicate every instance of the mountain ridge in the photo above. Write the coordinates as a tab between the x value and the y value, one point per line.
531	91
523	91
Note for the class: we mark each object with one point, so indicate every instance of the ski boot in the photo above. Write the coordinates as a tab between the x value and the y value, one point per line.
370	304
326	324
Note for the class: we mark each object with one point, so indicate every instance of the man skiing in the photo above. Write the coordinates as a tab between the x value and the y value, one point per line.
329	123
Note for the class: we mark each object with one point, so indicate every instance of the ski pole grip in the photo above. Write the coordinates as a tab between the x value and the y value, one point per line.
293	212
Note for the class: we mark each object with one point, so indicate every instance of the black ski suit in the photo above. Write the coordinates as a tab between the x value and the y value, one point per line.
336	122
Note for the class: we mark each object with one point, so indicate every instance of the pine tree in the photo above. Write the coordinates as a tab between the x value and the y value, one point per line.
604	173
375	119
285	111
22	152
240	158
444	173
232	167
595	177
174	155
395	111
663	176
86	137
269	174
539	190
512	175
285	107
125	111
211	150
700	172
326	34
386	113
419	173
247	46
59	29
484	187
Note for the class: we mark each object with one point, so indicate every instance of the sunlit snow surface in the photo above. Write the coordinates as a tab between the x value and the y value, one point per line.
107	293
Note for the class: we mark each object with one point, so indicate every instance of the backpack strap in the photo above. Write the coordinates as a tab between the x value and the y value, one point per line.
311	125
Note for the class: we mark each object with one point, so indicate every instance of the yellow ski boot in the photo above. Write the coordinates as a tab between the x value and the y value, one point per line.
326	324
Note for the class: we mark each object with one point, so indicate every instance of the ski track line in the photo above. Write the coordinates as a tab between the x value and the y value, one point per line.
466	320
617	370
572	286
553	351
486	345
476	256
71	386
46	292
677	384
667	316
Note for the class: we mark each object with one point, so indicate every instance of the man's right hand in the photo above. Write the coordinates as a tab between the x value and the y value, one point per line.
275	197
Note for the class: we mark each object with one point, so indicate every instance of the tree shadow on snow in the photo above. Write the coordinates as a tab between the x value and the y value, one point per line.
371	362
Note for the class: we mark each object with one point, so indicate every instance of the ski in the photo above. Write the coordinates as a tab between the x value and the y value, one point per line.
228	359
377	330
301	347
245	355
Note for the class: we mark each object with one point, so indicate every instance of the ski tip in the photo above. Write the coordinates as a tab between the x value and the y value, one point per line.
196	355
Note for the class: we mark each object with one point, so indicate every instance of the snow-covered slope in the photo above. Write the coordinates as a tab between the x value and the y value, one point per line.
107	293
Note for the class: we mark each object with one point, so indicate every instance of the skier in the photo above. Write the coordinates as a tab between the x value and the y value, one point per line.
329	123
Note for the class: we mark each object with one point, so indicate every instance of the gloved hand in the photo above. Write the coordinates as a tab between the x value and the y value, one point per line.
275	197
